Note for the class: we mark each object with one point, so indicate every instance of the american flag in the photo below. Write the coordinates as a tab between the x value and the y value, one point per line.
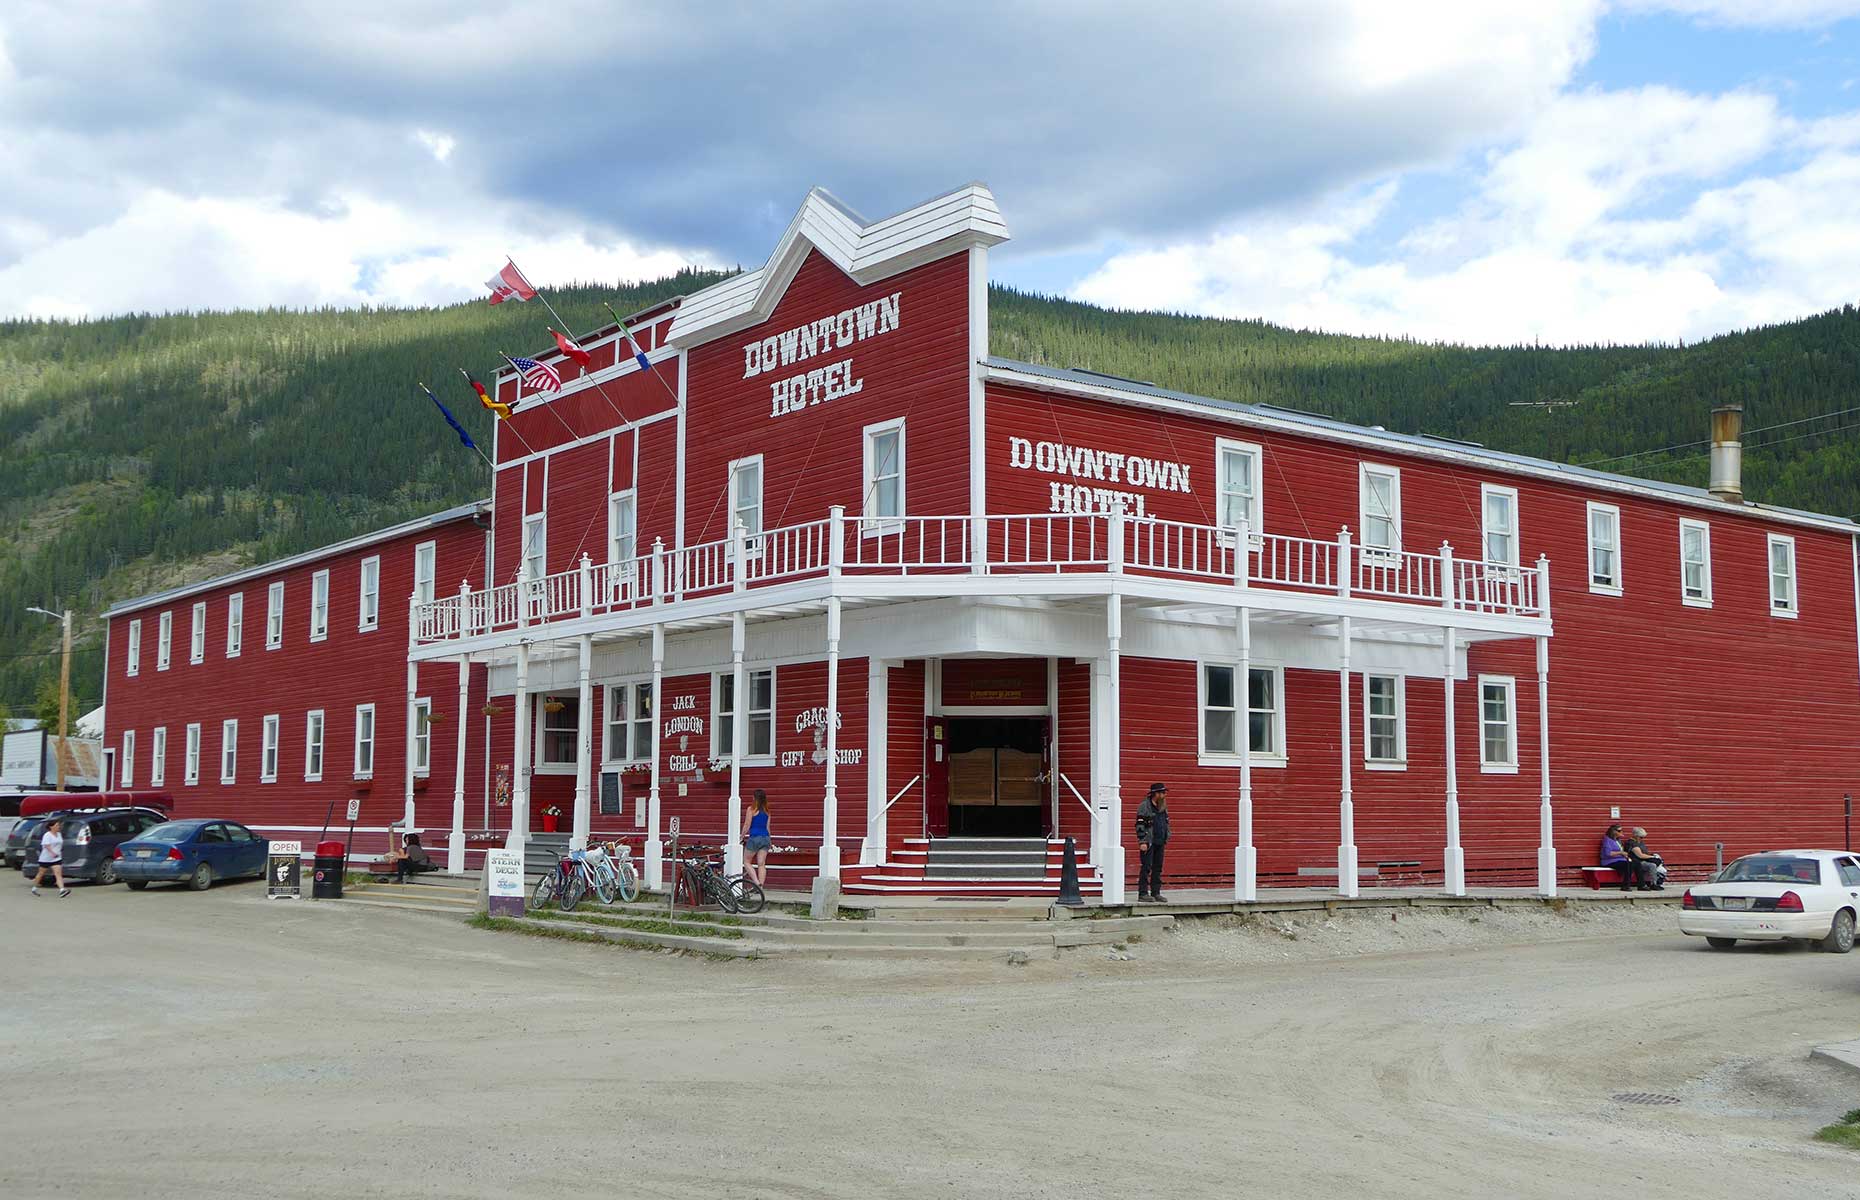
540	376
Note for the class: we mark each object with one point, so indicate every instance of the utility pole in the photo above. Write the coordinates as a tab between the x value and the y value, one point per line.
64	688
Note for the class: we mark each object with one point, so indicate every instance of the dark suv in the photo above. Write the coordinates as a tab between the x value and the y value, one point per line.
91	839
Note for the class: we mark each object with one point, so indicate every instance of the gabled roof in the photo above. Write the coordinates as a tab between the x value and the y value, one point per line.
868	252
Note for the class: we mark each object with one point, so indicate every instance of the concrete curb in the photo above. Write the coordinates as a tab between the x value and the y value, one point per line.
1847	1054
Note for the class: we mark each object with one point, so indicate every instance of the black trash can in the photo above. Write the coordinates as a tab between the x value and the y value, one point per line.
326	883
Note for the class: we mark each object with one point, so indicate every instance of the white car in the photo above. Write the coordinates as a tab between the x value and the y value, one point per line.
1808	895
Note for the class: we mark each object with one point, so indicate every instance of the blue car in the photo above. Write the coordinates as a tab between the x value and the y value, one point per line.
195	852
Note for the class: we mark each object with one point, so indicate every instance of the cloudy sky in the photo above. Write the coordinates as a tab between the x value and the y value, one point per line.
1478	171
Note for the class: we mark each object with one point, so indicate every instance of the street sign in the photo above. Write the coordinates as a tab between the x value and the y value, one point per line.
284	871
355	809
674	826
503	871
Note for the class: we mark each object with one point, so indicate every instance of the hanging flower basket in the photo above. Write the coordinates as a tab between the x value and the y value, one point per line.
492	710
434	718
552	705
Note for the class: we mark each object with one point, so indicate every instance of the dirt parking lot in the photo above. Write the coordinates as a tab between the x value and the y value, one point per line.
173	1043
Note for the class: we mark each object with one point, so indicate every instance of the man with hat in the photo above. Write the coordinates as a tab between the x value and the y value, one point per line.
1152	836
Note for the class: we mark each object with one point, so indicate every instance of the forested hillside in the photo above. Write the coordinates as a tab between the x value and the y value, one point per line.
142	452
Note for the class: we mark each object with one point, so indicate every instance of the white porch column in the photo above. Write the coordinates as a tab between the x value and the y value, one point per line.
584	753
1546	843
1455	857
877	759
655	849
830	806
455	841
1246	859
1112	859
1347	882
521	748
739	742
413	722
1100	803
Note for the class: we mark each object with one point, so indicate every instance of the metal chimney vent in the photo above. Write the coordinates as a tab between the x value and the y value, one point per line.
1727	453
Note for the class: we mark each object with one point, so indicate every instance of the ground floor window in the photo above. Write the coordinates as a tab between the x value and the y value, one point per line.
1220	712
268	750
365	741
561	727
422	736
1384	729
759	710
229	751
629	723
1498	724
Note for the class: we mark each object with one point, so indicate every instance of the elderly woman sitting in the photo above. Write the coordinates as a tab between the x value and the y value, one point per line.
1615	855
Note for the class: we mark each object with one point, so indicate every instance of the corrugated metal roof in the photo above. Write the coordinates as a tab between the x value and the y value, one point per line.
1418	443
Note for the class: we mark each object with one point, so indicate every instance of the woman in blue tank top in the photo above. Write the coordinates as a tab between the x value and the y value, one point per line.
756	842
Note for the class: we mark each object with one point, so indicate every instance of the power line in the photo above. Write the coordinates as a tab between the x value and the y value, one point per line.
1707	441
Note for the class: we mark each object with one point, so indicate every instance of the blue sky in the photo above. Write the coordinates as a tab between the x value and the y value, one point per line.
1562	171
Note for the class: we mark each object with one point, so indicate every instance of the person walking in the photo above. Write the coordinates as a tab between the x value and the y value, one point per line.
1152	836
756	842
52	857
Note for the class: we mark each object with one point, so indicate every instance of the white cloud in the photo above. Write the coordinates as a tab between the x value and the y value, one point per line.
439	145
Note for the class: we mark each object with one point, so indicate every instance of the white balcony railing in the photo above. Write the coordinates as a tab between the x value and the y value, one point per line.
1036	545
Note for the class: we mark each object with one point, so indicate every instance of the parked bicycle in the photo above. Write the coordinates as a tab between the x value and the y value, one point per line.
700	880
617	858
574	877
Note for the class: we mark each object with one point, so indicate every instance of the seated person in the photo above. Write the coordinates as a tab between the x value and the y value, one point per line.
410	859
1646	863
1614	855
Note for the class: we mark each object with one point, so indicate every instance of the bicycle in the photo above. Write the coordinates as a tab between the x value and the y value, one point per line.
700	881
618	858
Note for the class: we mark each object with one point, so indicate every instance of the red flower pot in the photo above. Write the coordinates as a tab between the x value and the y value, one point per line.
549	821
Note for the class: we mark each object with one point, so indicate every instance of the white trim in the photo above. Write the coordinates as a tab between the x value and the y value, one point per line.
604	435
229	750
128	764
319	606
235	624
423	704
1487	491
992	710
1704	600
1510	684
426	588
132	661
1792	608
1243	716
164	640
274	615
1256	504
357	742
1400	761
750	671
872	524
1615	587
1364	471
197	634
190	755
368	596
158	756
315	720
270	749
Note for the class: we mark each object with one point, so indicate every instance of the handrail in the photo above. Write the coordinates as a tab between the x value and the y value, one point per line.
907	787
1075	791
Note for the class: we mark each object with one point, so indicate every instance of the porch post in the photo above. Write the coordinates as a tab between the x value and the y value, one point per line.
830	806
413	691
1100	804
584	731
1246	859
739	739
1347	882
1546	843
655	849
455	842
1112	859
877	756
1455	857
520	756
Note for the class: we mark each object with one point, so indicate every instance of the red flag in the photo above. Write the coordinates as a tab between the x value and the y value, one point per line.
509	284
573	351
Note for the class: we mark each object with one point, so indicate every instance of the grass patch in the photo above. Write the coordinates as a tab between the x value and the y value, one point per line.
684	927
509	925
1844	1132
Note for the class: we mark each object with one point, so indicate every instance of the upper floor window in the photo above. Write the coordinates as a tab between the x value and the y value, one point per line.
629	722
746	496
1782	575
884	475
370	615
235	624
1237	473
1221	717
319	606
274	616
163	640
759	713
422	736
425	571
622	534
535	546
1695	563
1498	724
1380	503
197	633
1499	509
1604	549
134	665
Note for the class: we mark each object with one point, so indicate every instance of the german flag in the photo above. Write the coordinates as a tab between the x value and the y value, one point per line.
485	398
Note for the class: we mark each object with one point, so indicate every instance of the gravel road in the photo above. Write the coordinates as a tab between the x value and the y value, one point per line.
221	1044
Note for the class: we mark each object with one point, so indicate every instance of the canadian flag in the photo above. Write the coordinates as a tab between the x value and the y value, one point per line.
509	284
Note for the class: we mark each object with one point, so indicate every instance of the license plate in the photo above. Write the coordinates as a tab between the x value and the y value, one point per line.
144	853
1736	902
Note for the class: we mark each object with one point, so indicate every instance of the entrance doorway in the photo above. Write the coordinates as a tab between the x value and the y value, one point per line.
996	779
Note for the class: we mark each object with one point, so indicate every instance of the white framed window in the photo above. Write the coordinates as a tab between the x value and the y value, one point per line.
229	751
1498	508
426	570
535	563
423	736
128	776
158	756
1782	576
197	634
164	640
1385	722
135	648
622	535
883	504
313	745
190	764
274	616
268	751
1220	715
319	606
1498	725
364	741
369	616
557	731
1237	472
235	624
1604	549
1695	563
759	711
746	499
1379	510
629	723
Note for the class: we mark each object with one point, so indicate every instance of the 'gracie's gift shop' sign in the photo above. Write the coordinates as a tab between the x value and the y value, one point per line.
792	393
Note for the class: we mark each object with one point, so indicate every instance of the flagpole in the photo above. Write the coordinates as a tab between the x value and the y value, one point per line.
572	435
454	423
527	448
627	335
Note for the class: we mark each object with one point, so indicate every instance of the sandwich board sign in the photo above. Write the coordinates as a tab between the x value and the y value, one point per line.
284	869
503	874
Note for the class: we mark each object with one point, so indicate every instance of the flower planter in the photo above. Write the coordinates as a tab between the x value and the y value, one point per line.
549	822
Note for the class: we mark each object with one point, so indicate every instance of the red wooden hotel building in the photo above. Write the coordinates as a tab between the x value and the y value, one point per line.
942	605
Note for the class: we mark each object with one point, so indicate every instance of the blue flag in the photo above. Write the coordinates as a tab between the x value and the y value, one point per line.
639	356
450	419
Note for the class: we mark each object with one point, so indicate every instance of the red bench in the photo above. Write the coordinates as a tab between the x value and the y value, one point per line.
1600	877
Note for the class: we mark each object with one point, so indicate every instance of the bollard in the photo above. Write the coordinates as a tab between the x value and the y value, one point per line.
1069	878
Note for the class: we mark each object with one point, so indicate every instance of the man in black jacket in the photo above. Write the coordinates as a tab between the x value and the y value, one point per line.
1152	836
